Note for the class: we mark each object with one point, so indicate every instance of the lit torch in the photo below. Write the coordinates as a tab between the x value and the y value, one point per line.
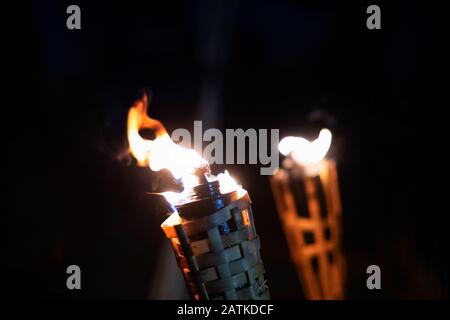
211	230
307	198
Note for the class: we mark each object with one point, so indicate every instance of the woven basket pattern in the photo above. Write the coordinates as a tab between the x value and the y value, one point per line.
219	254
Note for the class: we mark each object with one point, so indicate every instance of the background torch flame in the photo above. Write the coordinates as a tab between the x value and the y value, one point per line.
305	152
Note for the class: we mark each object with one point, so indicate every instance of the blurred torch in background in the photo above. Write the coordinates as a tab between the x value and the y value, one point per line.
307	198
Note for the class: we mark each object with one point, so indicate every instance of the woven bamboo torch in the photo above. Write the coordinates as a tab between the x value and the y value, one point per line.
216	246
308	202
211	229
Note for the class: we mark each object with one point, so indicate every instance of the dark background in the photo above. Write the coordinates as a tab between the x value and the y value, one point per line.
72	195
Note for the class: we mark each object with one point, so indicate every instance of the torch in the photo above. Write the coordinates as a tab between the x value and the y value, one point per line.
308	202
211	227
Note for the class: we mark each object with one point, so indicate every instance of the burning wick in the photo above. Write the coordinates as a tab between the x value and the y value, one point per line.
162	153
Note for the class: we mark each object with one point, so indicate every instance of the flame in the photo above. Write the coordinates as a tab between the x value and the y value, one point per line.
163	153
175	198
138	119
227	183
305	152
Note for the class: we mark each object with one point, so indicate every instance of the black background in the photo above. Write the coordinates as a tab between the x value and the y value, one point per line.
72	196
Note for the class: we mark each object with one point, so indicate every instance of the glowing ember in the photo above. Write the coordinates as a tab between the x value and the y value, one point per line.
305	152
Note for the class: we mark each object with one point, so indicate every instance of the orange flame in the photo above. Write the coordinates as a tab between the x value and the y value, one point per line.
162	152
138	119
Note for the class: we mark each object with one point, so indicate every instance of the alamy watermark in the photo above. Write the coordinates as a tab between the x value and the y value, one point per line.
373	22
73	21
374	280
237	146
74	279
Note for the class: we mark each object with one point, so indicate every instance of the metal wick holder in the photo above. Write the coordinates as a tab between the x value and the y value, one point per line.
216	246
